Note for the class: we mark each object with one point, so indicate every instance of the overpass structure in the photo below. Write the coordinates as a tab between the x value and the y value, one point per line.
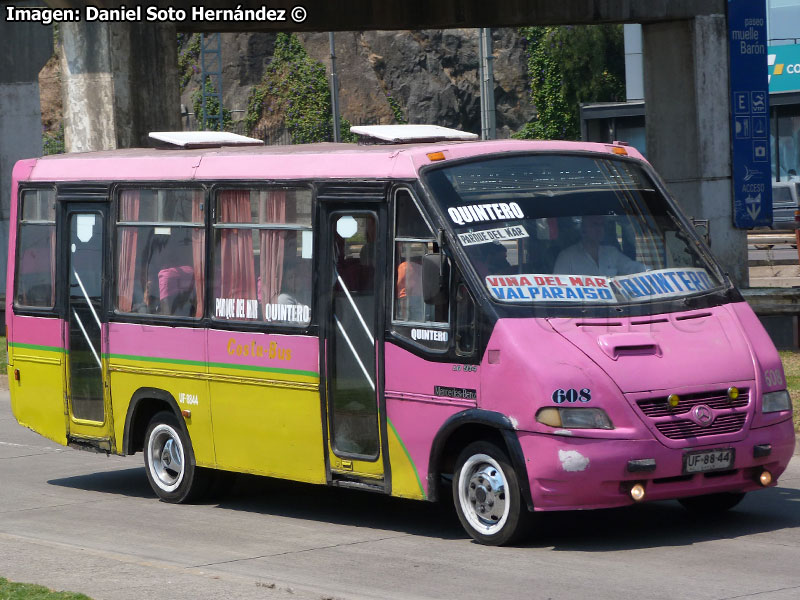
120	78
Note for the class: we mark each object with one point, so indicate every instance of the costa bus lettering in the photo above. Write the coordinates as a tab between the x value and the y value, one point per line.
485	212
272	350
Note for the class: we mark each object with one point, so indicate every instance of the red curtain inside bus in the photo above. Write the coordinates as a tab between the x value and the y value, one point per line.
126	267
237	265
271	209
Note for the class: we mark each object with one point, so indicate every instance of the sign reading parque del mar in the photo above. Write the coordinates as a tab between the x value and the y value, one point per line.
747	42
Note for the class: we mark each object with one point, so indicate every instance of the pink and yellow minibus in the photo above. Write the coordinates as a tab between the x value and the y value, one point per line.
532	324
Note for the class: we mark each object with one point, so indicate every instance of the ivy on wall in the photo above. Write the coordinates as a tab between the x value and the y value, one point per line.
399	117
53	140
212	109
188	57
568	65
295	87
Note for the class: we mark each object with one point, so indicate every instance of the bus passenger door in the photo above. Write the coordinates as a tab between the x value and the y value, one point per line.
87	402
351	303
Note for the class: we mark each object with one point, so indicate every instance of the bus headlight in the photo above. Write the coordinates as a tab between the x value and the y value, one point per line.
574	418
776	401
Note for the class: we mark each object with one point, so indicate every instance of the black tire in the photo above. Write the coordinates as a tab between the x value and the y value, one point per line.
169	461
712	503
487	496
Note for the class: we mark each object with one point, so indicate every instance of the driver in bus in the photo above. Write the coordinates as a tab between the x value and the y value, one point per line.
591	256
492	260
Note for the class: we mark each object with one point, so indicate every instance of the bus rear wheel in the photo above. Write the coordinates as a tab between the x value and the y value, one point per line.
487	496
169	460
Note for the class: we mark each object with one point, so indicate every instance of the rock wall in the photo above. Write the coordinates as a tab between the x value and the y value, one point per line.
432	75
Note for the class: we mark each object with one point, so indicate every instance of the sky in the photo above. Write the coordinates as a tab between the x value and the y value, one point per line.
784	21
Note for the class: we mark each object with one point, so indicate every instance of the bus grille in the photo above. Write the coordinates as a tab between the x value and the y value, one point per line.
718	400
677	430
729	416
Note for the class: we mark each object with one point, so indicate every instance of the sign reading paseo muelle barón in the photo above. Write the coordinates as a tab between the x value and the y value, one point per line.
747	43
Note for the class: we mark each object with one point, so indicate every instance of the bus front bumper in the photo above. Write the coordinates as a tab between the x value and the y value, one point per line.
568	473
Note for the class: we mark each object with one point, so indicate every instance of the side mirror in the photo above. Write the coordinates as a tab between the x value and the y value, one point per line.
435	279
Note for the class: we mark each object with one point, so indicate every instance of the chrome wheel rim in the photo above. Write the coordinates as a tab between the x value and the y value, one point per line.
482	494
166	457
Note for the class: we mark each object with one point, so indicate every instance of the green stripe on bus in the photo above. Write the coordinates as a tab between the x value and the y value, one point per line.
199	363
36	347
410	460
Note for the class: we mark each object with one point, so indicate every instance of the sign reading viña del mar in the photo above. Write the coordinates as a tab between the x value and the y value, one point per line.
747	41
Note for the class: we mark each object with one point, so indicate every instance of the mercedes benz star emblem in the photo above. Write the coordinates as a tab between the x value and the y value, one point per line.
702	415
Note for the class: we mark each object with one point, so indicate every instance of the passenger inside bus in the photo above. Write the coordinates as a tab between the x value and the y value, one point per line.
593	254
296	282
410	303
170	286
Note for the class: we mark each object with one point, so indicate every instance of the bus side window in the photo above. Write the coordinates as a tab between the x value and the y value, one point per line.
160	255
36	250
263	256
413	239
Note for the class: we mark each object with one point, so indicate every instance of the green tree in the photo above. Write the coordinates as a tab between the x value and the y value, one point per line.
295	86
569	65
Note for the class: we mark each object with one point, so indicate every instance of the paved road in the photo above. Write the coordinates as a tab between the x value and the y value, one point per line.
89	523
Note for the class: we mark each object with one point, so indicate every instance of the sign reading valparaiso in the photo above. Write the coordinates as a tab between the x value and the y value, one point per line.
784	68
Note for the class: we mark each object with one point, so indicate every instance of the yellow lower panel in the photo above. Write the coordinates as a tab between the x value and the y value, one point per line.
268	428
405	480
187	384
37	399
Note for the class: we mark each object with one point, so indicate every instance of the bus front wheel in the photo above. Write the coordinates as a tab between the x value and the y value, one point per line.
169	460
487	495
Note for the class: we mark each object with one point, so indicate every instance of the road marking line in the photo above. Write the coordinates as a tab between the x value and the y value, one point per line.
30	446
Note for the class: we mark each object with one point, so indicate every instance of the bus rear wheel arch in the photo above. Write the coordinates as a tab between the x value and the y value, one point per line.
144	405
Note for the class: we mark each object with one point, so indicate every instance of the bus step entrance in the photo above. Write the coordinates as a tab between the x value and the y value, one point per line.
371	486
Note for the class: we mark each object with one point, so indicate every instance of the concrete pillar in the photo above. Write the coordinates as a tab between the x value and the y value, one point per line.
24	49
120	81
688	126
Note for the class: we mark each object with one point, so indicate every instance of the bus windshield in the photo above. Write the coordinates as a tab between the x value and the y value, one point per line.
561	228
